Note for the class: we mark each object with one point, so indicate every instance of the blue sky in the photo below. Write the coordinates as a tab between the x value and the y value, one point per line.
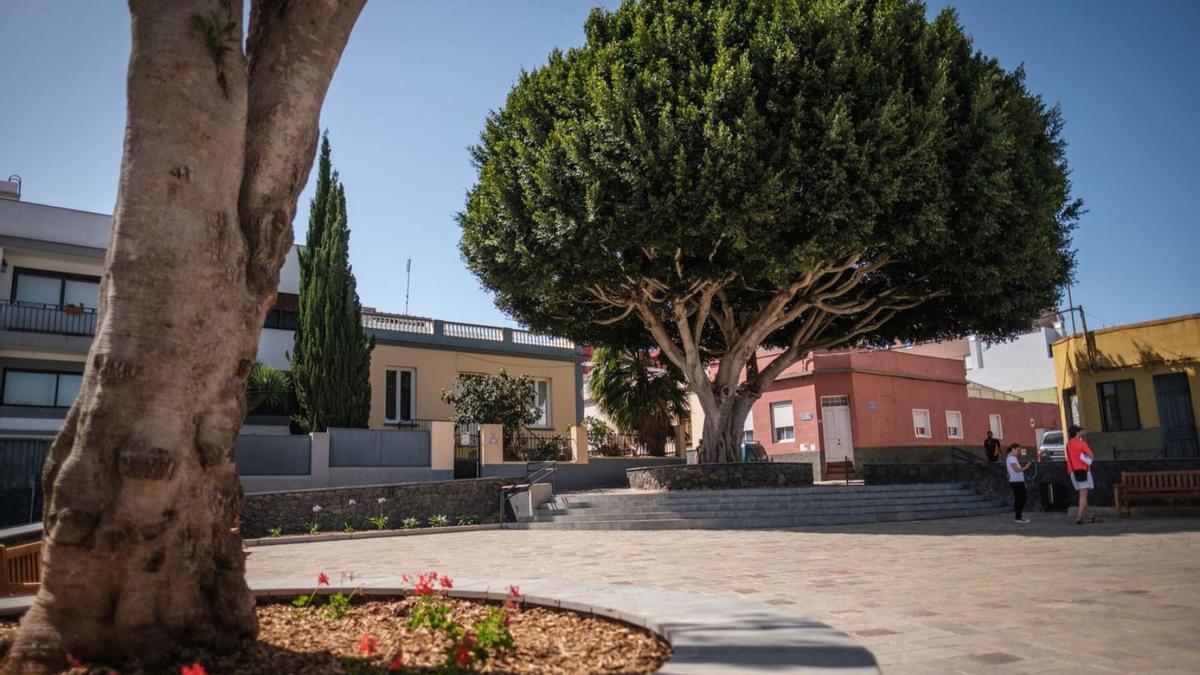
419	77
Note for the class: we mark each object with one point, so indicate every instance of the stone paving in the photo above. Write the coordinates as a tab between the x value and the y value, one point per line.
965	595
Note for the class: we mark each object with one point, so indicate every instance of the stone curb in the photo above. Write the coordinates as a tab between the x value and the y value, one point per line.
709	634
365	534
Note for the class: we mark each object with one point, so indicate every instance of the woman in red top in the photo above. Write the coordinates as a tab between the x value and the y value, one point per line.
1079	465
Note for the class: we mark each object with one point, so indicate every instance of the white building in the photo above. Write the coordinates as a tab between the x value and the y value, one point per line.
51	261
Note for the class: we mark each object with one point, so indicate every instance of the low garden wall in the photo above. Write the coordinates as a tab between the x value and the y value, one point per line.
992	479
293	510
721	476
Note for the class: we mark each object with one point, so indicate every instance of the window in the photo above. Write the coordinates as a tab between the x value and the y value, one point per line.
748	427
280	318
41	388
782	425
954	424
1118	406
921	428
399	395
1071	405
35	287
996	425
541	401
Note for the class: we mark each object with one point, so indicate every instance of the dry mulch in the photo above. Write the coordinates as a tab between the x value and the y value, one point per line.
545	641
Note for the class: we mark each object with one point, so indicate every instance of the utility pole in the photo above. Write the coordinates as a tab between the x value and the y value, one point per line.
1071	304
407	283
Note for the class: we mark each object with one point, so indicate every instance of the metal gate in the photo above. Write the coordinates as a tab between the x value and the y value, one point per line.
21	462
466	451
1175	416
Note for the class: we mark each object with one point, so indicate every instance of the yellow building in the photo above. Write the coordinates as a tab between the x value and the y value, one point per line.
415	359
1131	387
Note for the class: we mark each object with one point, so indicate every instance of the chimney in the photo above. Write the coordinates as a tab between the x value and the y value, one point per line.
11	189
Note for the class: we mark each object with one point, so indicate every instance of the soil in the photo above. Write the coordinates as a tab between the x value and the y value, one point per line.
305	642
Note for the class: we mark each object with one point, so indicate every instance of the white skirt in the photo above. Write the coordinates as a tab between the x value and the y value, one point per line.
1081	484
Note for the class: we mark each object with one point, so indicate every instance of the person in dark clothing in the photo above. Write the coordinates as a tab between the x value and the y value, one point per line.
991	448
1016	480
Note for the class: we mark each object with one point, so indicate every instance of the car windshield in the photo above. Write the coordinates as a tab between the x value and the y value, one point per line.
1052	438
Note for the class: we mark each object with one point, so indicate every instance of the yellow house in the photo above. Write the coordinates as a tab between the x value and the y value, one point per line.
415	359
1132	387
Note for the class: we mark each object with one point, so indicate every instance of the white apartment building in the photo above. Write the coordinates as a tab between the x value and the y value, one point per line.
51	261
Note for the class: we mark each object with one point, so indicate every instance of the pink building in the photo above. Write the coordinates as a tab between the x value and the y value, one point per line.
887	406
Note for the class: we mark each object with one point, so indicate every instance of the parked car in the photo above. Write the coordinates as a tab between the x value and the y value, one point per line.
1052	448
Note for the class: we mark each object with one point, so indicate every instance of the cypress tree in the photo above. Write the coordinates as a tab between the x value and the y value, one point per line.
332	354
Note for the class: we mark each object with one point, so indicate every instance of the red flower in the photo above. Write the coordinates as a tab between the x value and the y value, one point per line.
368	645
397	662
469	640
446	582
322	579
514	592
424	584
194	669
462	656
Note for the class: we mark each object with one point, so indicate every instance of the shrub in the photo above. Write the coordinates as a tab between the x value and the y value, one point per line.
275	531
466	519
379	521
438	521
349	528
411	523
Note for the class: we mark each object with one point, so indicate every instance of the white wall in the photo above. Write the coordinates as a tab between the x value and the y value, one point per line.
1021	364
52	223
289	274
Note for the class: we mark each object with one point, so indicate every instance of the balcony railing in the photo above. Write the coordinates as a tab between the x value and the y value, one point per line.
524	337
465	331
29	317
473	331
399	324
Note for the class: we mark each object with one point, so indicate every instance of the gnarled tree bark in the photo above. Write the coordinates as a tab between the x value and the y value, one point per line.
141	554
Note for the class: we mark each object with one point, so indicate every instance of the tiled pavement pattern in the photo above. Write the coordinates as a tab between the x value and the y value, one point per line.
963	595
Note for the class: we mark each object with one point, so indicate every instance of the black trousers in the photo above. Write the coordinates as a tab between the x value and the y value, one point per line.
1020	497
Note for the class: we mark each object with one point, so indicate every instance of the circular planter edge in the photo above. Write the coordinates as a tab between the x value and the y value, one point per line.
708	634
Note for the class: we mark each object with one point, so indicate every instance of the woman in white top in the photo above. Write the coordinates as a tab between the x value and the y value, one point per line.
1016	480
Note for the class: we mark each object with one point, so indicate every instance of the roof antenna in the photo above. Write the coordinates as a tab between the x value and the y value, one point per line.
407	283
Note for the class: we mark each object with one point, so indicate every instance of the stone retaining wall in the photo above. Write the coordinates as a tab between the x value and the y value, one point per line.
293	510
992	479
721	476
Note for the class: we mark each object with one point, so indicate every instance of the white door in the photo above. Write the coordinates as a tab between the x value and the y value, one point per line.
835	420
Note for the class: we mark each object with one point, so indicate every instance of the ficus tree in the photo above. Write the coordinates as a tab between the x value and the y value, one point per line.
141	552
483	398
716	176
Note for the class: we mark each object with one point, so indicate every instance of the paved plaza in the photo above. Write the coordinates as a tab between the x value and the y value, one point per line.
964	595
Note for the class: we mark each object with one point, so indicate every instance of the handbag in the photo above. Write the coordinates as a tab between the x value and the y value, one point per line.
1080	475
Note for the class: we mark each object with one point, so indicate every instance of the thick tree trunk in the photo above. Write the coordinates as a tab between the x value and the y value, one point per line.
724	419
142	555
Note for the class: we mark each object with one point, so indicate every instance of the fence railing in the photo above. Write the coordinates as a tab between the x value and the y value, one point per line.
473	331
1138	453
631	445
532	448
51	319
524	337
398	324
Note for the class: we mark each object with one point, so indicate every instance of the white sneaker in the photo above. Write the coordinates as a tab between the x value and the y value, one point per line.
1022	521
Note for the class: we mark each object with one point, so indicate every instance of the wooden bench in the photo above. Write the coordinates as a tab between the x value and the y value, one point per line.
20	569
1162	486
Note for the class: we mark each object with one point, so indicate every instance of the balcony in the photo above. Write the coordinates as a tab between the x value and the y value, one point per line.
27	317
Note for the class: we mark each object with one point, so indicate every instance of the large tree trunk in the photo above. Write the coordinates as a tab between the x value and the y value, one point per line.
724	419
142	495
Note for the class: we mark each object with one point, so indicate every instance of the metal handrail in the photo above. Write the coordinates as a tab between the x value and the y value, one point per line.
30	317
537	472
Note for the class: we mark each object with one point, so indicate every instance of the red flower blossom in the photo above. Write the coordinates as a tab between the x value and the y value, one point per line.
446	582
368	645
514	591
424	584
462	656
469	640
322	579
397	662
194	669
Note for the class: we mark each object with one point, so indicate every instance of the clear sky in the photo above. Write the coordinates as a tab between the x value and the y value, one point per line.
419	77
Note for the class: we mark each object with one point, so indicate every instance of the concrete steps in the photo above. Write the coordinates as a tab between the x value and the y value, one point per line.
759	508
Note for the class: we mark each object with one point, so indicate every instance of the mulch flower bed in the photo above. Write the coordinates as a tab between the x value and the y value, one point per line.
374	631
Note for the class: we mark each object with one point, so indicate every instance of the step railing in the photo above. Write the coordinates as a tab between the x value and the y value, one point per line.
541	472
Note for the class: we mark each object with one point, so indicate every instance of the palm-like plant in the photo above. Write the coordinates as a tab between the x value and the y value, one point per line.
268	386
644	396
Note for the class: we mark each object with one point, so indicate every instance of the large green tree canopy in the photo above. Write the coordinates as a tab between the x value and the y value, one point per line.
717	175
